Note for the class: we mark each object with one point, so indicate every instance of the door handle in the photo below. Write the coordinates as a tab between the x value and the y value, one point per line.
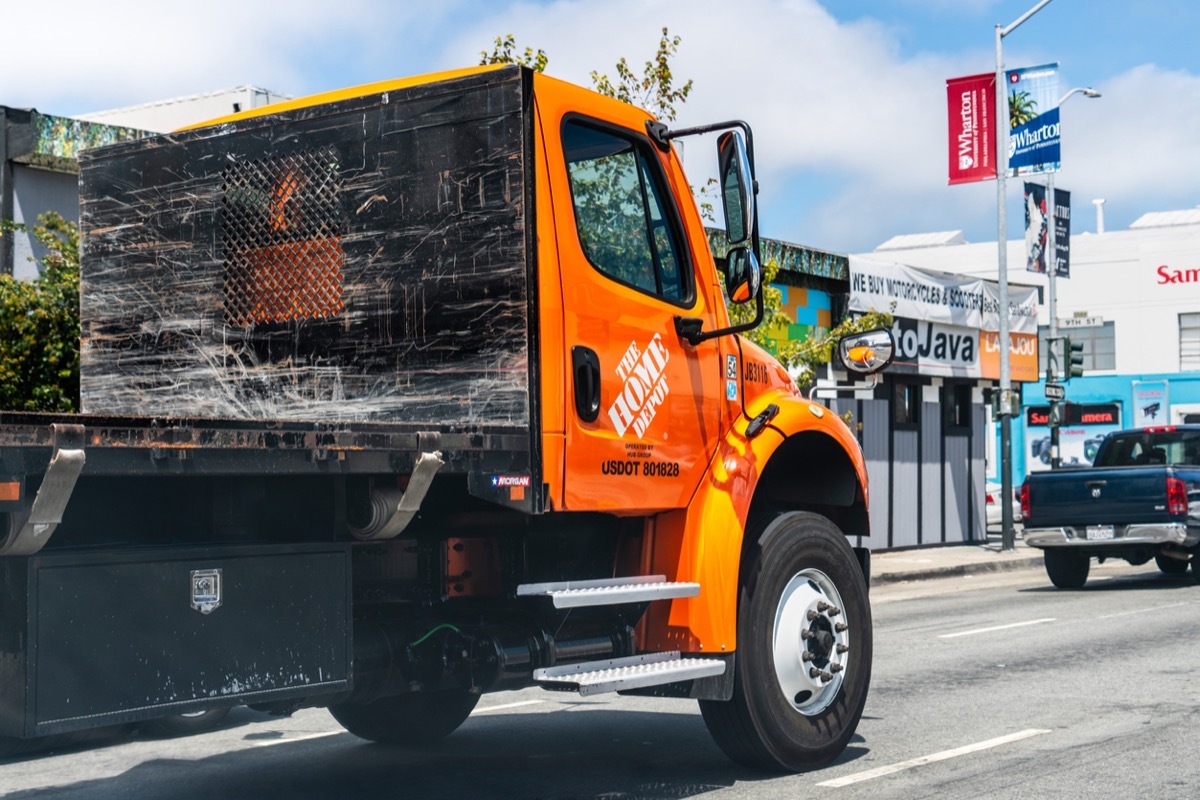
585	366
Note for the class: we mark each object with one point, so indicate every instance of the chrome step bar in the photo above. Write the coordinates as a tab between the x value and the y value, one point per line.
620	674
609	591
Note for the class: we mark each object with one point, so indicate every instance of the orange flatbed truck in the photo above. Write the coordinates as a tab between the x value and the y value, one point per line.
406	393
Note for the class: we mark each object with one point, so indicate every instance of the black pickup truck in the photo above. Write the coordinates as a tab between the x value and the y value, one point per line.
1137	501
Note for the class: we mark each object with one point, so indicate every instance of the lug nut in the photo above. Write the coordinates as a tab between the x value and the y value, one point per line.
807	634
843	648
841	627
812	615
823	606
816	673
835	667
806	656
833	611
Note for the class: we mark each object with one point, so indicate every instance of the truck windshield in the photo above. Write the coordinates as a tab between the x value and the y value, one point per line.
1132	448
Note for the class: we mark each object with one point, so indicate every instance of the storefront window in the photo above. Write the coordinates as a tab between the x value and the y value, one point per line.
906	404
1099	346
956	403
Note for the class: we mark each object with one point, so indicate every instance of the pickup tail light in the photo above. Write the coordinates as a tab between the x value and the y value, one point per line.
1025	501
1177	496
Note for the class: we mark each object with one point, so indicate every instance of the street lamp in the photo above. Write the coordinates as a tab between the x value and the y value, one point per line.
1005	407
1052	273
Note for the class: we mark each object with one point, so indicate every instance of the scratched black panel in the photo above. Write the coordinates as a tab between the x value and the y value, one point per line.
117	638
210	289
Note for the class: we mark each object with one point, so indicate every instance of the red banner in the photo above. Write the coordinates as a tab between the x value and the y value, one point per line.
971	106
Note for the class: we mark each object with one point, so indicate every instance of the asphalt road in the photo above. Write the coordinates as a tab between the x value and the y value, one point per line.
996	686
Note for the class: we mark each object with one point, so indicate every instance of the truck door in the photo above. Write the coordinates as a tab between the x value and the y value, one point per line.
644	407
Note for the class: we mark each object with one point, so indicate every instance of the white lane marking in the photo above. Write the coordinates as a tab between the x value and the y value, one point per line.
859	777
1144	610
506	706
998	628
291	739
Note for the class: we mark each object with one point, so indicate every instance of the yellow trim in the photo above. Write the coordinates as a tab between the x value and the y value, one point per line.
345	94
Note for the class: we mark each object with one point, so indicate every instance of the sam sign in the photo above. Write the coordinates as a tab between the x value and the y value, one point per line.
971	112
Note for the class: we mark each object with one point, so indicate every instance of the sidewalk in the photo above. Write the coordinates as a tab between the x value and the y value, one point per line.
952	561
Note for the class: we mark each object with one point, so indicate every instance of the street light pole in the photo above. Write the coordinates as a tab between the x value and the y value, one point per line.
1005	407
1052	274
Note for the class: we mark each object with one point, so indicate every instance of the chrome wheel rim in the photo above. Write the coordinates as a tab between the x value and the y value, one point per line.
811	642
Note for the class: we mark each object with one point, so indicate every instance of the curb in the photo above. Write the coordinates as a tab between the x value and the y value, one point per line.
959	570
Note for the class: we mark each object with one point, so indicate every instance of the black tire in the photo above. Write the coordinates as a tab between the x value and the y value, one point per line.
407	719
186	724
803	557
1067	570
1171	566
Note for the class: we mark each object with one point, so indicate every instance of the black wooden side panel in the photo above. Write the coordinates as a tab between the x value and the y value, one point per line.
365	260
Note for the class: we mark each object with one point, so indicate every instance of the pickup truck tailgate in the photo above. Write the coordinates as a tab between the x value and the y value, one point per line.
1122	496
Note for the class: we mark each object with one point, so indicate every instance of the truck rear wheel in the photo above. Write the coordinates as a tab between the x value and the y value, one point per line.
407	719
1171	566
1067	570
803	661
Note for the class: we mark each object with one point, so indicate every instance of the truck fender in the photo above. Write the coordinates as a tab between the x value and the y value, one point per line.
804	455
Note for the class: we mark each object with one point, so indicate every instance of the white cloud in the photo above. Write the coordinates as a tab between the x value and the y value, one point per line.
84	56
832	103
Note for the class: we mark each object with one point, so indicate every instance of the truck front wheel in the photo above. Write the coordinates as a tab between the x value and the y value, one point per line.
407	719
1067	569
803	661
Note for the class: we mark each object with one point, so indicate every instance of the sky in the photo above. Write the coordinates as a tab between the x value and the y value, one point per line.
847	98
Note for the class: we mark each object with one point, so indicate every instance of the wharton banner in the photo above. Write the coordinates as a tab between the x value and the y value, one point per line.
1033	138
1037	224
971	113
1037	228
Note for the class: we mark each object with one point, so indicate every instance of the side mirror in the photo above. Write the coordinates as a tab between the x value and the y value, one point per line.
866	353
737	187
743	275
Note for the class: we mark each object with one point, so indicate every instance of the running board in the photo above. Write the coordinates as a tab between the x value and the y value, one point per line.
609	591
621	674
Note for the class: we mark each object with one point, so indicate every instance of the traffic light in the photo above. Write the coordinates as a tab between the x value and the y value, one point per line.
1074	358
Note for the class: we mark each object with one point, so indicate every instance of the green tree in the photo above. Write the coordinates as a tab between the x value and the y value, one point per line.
804	357
39	323
504	51
1021	109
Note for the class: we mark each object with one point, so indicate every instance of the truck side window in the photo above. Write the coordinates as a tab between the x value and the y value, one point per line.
623	222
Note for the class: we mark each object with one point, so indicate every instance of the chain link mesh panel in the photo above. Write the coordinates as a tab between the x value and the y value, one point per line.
282	222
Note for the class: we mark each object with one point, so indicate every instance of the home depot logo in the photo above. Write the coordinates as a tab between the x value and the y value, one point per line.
644	388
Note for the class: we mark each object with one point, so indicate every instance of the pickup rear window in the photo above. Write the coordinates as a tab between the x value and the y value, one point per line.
1133	448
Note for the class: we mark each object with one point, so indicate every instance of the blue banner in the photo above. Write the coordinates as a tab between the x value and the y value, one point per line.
1033	137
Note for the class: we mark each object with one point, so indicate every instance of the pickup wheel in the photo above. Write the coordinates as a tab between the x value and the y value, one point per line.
1171	566
407	719
803	661
1067	569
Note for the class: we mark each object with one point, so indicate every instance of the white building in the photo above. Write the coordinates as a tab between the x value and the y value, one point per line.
168	115
1133	301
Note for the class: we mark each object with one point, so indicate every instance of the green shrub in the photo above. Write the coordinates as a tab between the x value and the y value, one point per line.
39	323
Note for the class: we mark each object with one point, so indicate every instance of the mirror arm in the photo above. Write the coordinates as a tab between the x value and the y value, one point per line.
691	329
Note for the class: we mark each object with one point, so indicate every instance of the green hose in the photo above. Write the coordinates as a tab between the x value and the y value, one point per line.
432	632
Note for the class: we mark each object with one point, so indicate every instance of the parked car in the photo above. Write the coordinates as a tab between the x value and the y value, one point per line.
994	491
